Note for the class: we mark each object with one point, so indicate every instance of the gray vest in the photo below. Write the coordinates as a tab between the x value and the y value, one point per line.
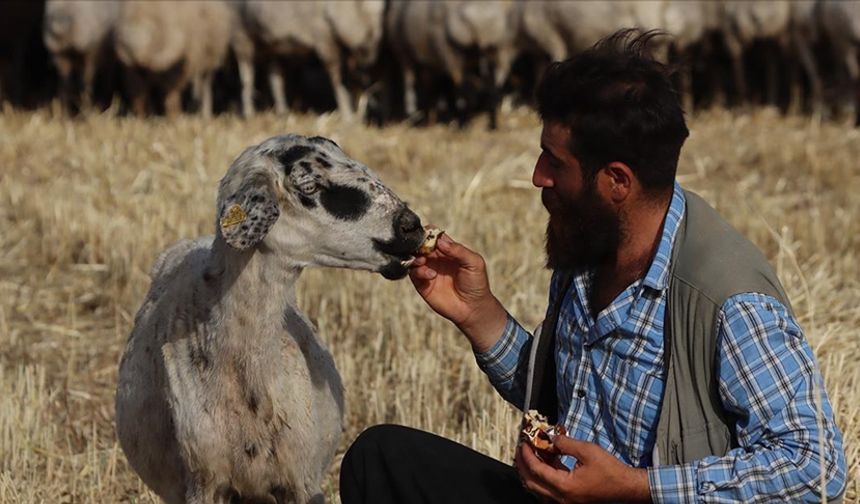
710	263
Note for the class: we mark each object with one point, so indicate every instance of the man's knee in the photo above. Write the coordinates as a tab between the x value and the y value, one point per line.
379	439
366	461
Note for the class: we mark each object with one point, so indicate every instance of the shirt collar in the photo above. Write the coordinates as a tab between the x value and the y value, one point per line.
658	273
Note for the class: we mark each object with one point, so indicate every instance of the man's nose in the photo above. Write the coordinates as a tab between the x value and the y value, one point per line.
540	177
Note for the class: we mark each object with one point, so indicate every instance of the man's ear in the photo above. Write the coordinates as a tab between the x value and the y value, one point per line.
246	216
619	180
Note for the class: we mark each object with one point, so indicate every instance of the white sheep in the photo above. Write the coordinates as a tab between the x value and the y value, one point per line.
470	43
559	30
165	45
78	35
840	23
341	33
225	391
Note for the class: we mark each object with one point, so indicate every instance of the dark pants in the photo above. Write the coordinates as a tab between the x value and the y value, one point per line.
394	464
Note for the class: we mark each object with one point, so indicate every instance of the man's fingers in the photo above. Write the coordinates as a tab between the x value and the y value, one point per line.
548	476
530	481
581	450
539	490
422	285
459	252
422	273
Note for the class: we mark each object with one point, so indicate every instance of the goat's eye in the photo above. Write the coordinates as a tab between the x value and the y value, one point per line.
308	188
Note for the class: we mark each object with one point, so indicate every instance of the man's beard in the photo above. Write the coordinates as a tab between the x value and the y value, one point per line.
582	234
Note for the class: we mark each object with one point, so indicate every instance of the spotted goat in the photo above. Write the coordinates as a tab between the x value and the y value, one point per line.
225	392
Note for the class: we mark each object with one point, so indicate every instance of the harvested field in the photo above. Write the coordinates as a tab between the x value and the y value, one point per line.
86	205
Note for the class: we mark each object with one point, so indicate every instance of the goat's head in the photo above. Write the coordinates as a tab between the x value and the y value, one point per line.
304	198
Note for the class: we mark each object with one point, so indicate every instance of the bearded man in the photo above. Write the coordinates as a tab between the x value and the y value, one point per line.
669	351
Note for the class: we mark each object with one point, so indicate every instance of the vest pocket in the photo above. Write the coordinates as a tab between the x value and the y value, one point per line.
698	443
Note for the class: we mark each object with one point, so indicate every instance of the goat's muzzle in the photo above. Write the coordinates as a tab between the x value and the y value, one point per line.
408	236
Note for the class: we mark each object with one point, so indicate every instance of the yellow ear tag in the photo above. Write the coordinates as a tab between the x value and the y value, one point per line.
235	215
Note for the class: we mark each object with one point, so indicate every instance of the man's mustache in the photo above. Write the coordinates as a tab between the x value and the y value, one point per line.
550	201
557	206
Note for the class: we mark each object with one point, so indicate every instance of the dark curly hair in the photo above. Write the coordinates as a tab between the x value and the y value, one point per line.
620	105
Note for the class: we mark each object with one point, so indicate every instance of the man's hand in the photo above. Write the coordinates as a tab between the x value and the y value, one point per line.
597	477
453	281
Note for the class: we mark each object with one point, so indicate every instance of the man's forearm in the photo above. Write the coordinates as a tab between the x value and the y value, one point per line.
638	488
506	361
485	326
771	474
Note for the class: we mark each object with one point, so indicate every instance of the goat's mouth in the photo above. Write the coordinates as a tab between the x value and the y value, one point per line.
397	266
400	254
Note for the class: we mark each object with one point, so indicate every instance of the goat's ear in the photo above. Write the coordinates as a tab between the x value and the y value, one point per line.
246	217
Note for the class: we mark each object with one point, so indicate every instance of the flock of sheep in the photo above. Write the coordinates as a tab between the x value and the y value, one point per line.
451	57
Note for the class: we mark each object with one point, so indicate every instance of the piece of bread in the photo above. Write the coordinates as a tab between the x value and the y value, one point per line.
431	234
540	434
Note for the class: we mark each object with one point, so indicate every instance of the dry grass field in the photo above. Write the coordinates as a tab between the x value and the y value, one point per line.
86	205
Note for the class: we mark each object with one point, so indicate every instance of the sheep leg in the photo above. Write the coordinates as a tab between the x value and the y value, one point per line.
196	494
205	89
488	69
88	77
276	83
341	94
852	64
410	102
504	62
173	101
106	61
685	74
246	75
64	70
455	67
306	496
199	492
15	89
736	52
362	103
243	49
137	91
807	61
196	86
772	77
857	104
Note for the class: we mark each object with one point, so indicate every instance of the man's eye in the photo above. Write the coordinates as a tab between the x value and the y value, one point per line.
551	160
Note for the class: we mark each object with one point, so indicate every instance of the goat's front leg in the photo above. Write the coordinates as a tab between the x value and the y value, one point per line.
196	494
301	495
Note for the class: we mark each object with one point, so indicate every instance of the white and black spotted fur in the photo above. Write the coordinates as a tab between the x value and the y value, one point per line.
225	392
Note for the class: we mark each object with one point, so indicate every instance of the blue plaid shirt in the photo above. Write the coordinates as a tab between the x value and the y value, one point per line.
610	386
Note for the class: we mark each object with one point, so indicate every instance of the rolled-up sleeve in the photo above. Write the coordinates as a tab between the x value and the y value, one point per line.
506	363
790	447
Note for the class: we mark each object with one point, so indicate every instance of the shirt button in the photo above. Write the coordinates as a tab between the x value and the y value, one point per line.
580	393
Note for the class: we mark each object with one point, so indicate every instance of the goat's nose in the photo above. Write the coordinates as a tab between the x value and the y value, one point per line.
407	223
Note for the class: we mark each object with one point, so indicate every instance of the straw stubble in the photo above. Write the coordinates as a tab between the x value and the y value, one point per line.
86	205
